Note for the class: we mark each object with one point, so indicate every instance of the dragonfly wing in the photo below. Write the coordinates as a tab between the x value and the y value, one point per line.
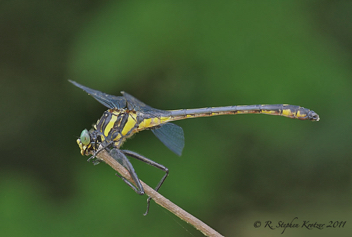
135	104
172	136
110	101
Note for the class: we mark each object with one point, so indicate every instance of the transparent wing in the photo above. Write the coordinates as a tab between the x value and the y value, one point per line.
172	136
135	104
110	101
132	101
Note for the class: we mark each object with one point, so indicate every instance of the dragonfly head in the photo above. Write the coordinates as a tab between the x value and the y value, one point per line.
313	116
84	142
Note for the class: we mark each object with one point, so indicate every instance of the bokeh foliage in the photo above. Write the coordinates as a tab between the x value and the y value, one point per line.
176	54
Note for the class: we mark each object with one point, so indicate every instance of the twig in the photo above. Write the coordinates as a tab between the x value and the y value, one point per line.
159	199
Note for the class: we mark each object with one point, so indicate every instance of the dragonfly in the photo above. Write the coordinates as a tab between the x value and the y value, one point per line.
127	115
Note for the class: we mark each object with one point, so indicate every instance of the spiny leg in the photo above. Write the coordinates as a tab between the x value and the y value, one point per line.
123	160
96	151
140	192
152	163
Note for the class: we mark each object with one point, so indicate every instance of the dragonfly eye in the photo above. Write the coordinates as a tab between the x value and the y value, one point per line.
85	138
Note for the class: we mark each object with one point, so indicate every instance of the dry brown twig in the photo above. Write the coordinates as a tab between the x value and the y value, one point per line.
159	199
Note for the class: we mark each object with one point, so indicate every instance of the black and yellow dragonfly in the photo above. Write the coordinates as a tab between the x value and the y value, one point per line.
127	115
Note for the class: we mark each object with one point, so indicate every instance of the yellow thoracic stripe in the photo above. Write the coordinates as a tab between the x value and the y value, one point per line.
110	125
130	124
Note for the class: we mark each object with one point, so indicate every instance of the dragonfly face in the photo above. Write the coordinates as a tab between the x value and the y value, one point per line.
127	115
89	141
84	142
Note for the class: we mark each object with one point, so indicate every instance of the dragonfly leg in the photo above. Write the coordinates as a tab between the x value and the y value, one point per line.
97	160
152	163
140	192
123	160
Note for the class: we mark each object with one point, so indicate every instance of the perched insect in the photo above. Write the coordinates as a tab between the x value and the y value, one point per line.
127	115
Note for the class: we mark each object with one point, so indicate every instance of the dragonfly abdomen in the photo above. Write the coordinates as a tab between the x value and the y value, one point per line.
290	111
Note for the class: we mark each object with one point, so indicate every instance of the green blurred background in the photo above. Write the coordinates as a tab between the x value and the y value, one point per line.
234	170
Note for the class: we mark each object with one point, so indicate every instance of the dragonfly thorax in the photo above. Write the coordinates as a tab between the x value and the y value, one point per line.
114	127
